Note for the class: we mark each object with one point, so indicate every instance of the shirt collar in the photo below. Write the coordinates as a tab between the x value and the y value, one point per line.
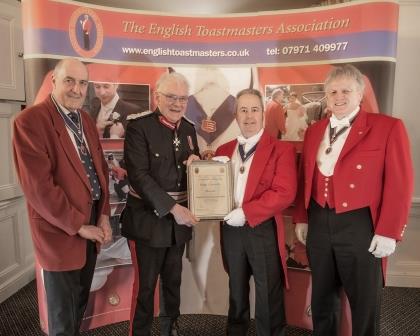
251	141
344	122
111	105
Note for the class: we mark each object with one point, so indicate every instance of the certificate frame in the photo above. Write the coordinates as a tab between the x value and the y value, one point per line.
210	189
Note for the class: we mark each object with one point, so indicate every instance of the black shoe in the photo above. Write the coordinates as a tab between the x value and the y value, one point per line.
175	330
172	329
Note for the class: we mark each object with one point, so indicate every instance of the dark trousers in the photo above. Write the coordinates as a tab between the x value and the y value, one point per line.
68	292
152	262
254	251
86	41
337	246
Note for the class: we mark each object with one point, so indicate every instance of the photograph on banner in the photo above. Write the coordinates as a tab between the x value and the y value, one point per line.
110	103
296	251
118	181
116	252
299	106
212	101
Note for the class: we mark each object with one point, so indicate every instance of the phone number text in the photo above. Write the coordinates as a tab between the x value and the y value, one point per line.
307	49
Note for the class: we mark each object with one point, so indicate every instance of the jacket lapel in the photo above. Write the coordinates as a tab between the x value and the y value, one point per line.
66	142
357	132
229	149
318	133
261	156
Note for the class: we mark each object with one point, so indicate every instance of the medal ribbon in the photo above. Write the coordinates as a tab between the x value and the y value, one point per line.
76	127
245	157
333	136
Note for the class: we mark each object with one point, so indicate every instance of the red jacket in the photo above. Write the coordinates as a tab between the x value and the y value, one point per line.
275	119
374	170
271	185
55	184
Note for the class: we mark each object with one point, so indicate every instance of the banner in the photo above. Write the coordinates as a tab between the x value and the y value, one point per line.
127	50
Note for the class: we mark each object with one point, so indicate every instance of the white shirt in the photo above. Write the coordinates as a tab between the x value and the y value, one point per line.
107	109
326	162
240	179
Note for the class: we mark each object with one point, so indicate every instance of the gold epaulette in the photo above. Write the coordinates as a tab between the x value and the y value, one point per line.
135	116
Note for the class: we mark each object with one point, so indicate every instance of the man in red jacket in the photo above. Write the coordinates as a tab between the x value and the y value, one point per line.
354	192
275	119
64	176
253	233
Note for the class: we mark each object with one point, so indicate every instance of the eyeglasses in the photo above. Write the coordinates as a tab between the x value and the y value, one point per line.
173	98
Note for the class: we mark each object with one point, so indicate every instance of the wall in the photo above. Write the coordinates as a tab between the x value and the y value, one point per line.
16	255
404	265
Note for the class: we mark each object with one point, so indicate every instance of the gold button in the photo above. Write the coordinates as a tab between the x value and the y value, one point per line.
352	186
344	204
326	189
359	166
114	299
326	195
360	132
327	179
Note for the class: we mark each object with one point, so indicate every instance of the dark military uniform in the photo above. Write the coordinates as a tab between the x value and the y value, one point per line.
154	151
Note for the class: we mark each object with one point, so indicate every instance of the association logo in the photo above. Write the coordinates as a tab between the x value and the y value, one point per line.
86	32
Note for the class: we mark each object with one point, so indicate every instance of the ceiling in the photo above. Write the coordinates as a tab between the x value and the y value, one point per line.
210	7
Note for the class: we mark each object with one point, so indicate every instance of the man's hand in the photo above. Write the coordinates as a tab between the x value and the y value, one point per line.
382	246
222	159
120	173
183	216
301	230
101	124
116	131
190	159
235	218
92	233
103	223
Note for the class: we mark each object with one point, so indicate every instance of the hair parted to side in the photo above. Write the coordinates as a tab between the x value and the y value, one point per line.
347	70
252	92
176	76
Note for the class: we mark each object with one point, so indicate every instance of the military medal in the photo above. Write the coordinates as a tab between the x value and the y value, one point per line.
176	142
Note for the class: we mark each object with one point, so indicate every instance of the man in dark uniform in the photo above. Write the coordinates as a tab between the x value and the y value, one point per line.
158	147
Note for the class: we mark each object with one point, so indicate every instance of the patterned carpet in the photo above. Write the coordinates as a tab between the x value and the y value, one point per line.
19	317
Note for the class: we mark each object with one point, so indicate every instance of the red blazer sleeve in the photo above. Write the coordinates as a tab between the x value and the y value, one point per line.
397	184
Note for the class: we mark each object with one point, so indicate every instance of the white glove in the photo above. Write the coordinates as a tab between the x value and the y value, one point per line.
382	246
236	217
301	230
222	159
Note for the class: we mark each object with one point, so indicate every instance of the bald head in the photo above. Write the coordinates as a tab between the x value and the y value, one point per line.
70	82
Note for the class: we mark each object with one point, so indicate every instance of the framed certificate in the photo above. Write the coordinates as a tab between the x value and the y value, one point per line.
210	189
